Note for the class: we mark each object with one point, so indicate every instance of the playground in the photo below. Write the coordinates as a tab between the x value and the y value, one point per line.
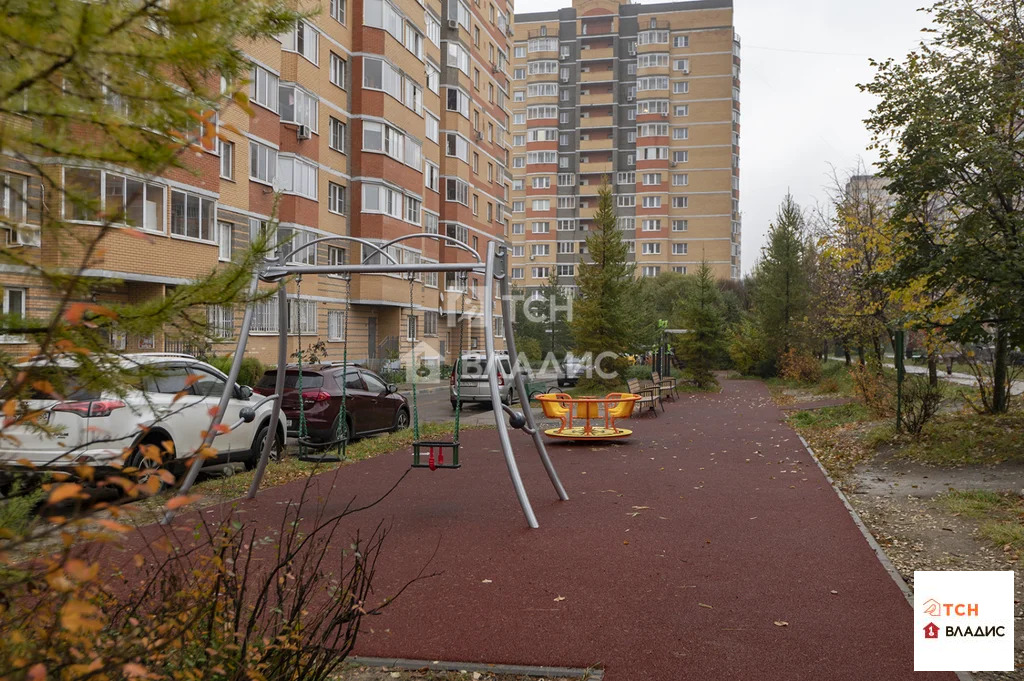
707	545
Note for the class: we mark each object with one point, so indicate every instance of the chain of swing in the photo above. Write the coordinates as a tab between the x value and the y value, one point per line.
312	451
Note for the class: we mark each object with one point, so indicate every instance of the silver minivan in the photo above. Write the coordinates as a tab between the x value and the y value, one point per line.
473	369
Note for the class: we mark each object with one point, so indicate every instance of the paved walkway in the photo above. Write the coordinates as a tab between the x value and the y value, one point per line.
710	546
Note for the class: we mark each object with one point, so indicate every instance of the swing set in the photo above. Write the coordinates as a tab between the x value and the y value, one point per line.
494	269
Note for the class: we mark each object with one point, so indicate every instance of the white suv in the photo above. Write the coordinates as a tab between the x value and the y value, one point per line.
97	428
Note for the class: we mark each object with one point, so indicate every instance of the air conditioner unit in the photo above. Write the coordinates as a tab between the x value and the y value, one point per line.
22	235
453	24
495	69
664	115
672	164
479	135
303	132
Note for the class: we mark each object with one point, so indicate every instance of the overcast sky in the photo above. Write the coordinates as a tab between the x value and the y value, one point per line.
801	110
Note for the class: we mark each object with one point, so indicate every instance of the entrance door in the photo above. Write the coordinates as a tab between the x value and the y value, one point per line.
371	338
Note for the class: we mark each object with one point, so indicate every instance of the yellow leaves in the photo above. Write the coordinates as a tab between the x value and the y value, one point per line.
107	524
65	491
81	616
135	671
10	408
80	570
206	452
76	313
37	672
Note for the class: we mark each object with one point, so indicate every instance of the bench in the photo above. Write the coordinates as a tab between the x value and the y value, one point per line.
666	386
650	397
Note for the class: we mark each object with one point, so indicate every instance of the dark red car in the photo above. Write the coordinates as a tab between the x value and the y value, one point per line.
372	406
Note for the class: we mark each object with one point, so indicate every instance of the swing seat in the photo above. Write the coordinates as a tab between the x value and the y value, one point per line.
435	454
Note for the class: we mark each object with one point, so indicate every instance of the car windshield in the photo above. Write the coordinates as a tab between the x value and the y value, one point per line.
291	380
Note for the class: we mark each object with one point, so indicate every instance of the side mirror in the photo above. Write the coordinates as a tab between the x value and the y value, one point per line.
243	392
392	388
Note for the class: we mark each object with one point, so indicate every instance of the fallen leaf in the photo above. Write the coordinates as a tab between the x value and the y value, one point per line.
485	581
780	623
65	491
559	598
179	501
705	605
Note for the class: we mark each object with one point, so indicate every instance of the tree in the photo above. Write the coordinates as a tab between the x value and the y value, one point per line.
131	85
949	130
781	294
601	313
703	347
541	320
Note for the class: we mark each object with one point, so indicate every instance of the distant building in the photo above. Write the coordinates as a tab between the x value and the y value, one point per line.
645	95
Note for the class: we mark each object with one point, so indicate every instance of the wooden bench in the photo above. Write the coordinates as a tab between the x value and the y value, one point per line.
650	397
666	386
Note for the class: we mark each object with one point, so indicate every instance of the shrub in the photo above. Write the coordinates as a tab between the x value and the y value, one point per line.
250	372
800	367
639	371
875	389
921	402
749	352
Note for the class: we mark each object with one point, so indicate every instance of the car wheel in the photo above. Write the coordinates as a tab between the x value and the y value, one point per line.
561	383
145	465
511	397
402	419
257	448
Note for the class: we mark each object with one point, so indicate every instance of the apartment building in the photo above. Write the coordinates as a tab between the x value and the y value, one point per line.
646	96
374	119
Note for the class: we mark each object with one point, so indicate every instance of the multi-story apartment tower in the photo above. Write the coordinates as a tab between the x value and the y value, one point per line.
646	96
374	119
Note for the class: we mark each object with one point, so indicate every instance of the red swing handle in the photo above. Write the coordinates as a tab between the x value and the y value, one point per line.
430	460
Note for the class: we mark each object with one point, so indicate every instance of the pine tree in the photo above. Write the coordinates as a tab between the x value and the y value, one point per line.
601	316
782	289
704	345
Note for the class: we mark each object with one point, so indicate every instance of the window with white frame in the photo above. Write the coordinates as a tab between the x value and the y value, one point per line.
431	175
566	180
304	39
650	248
432	126
541	272
652	37
302	317
225	235
566	270
625	178
298	106
380	75
457	191
14	305
191	215
517	251
682	110
563	161
680	133
650	225
681	41
682	65
337	198
680	156
430	323
542	67
680	179
650	271
338	135
458	56
517	273
300	238
227	159
262	162
566	247
626	222
680	87
652	153
625	200
679	269
541	204
680	225
413	208
630	246
296	175
457	146
518	227
518	206
652	83
541	182
652	59
652	202
652	178
339	10
653	130
680	201
563	117
263	88
540	112
339	71
540	227
566	201
335	325
430	225
433	25
381	199
679	249
542	45
540	249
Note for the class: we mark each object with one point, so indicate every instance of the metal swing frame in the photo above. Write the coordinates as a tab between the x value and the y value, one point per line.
494	268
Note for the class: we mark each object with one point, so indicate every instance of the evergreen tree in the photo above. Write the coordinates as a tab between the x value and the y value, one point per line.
782	290
704	346
601	313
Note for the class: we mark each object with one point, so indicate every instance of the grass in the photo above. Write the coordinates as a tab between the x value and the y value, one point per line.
830	417
969	439
17	509
1001	513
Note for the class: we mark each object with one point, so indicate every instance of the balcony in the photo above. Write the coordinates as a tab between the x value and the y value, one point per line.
596	122
599	98
597	53
597	144
597	167
597	75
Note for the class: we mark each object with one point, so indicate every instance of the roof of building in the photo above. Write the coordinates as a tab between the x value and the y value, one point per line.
634	9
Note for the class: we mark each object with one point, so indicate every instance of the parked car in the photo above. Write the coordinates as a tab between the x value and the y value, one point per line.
475	388
170	402
371	405
570	372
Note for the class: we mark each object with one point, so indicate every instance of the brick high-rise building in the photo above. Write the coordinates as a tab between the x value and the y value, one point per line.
645	95
374	119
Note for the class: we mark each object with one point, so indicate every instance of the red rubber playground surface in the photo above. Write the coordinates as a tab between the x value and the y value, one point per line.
678	556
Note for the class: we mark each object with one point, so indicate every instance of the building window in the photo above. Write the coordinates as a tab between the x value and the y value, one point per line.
339	9
220	322
299	107
297	176
430	323
650	225
651	271
192	216
302	316
337	199
339	71
680	225
541	272
679	249
303	39
225	234
262	163
680	156
335	325
431	175
338	135
227	159
680	201
681	41
263	89
14	305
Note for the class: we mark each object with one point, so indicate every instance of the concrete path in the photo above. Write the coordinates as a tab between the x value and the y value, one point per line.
708	546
